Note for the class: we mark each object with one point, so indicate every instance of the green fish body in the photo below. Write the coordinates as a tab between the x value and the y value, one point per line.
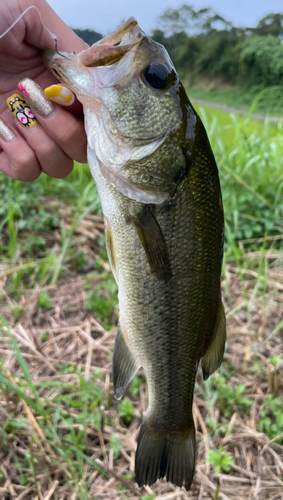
159	188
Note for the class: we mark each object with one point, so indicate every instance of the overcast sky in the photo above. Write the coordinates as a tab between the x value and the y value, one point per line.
105	15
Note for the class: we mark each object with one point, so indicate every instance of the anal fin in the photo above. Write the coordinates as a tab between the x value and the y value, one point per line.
213	357
124	365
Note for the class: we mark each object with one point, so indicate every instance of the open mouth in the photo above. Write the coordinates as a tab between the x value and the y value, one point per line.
114	46
105	52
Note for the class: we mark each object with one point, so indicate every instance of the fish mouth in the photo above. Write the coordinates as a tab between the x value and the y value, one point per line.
114	46
109	50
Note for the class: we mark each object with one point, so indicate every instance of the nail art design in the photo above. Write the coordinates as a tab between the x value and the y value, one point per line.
61	95
35	97
23	89
22	111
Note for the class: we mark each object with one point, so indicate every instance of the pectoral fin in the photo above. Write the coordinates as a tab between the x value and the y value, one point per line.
213	357
152	240
124	365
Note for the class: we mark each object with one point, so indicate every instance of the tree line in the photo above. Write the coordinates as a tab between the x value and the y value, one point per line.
202	44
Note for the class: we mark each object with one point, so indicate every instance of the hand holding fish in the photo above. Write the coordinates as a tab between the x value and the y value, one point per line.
41	136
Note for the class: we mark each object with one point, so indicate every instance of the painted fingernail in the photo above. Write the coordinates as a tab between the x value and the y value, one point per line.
61	95
6	132
22	111
35	97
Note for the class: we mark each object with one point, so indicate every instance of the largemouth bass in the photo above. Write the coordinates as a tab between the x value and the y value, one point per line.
159	188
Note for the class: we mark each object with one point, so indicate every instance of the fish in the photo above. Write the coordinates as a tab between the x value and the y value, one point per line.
159	188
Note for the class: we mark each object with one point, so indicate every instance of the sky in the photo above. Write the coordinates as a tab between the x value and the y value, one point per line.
105	15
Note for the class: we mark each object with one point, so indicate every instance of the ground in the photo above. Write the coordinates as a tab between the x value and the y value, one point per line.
63	435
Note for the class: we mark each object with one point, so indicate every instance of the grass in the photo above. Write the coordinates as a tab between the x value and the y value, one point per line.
264	101
250	162
62	433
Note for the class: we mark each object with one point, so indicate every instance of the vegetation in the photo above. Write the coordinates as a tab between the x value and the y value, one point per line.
62	433
217	60
89	36
220	62
202	43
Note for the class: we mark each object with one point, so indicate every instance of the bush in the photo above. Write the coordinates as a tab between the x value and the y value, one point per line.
261	61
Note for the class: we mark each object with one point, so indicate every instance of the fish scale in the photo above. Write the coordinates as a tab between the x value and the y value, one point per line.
164	234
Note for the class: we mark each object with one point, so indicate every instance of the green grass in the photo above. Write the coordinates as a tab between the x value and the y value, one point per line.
270	102
228	126
77	423
250	160
64	410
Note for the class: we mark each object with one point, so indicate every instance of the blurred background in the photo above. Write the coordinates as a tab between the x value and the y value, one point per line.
62	434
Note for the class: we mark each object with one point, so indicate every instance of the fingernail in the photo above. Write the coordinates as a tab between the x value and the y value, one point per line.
22	111
6	132
61	95
35	97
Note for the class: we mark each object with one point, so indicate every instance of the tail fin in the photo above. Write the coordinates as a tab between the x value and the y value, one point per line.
165	454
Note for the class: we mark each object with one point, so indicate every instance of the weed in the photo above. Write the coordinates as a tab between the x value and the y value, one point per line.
17	310
102	297
33	244
115	445
271	418
84	204
251	173
220	460
73	409
44	300
230	398
135	385
126	411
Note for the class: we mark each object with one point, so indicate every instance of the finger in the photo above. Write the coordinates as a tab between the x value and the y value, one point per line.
52	159
17	159
38	36
66	130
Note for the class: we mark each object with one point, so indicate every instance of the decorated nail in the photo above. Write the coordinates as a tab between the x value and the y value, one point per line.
6	132
22	111
35	97
61	95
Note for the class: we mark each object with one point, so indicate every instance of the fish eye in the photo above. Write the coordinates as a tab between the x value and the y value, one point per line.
159	76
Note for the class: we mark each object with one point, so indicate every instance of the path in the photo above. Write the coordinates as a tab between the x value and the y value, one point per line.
230	109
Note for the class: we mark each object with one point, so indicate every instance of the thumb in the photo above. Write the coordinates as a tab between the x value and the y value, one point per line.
37	34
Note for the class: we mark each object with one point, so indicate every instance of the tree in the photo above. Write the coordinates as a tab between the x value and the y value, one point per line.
174	21
89	36
192	22
272	24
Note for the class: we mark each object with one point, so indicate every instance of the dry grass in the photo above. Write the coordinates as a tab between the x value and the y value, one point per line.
66	335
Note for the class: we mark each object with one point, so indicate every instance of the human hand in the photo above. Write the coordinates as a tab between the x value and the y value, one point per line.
57	136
